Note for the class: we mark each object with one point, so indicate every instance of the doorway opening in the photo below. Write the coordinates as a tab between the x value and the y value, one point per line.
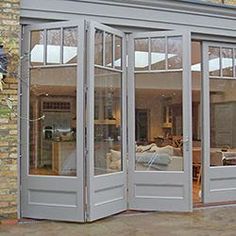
142	127
196	69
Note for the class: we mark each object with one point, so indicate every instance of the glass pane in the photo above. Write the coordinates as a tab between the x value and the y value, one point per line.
175	51
227	62
98	54
53	46
158	121
70	45
37	48
53	139
214	61
223	122
107	122
141	54
158	56
118	52
108	50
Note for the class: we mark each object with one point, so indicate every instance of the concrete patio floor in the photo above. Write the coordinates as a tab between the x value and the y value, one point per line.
202	222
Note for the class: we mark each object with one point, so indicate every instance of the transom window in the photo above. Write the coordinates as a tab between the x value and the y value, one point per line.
107	50
53	46
222	62
158	53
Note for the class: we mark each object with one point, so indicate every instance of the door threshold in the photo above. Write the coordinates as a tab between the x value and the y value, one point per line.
213	205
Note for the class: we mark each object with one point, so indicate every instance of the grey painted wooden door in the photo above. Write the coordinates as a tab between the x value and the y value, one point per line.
52	167
159	79
219	133
106	124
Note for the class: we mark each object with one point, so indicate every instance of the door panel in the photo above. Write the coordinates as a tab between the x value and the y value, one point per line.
106	122
160	81
52	122
219	170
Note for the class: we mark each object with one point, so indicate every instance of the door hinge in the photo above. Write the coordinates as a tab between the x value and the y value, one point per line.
85	153
186	143
86	205
22	32
86	88
86	26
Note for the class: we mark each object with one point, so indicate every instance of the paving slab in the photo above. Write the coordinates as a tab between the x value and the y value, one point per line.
217	221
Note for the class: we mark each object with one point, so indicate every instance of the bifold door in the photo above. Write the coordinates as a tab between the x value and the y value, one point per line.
74	129
52	184
106	127
219	121
159	121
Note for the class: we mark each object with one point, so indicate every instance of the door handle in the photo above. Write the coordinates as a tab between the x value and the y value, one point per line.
186	140
186	144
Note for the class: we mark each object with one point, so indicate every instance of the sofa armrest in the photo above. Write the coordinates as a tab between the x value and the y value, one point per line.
108	160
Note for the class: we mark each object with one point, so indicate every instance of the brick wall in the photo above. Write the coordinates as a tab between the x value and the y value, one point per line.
9	38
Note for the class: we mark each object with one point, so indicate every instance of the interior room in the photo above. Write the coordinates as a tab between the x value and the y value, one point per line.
53	96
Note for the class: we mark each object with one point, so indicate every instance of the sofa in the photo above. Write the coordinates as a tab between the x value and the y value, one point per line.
150	157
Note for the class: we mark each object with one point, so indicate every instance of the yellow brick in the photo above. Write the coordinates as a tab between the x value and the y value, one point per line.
3	155
8	126
3	144
8	91
13	132
4	204
8	173
10	80
13	168
3	120
13	155
13	86
8	210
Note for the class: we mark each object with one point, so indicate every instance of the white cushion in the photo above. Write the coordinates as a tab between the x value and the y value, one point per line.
115	155
166	150
144	148
115	165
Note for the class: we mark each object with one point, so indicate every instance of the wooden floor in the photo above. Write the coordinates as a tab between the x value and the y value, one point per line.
196	192
42	171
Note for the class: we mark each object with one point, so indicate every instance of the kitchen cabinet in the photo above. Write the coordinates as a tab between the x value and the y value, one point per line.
64	157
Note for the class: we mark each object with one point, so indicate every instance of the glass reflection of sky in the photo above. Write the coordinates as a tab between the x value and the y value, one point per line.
214	64
141	58
53	53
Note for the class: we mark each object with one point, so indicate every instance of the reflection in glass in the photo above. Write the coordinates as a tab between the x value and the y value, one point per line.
141	54
222	122
53	46
158	56
37	48
108	50
107	122
214	61
227	62
70	36
158	121
174	51
53	139
98	52
118	53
